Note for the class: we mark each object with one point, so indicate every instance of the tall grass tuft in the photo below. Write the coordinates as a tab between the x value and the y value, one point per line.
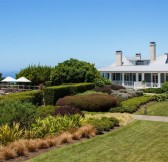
31	145
19	147
65	137
8	153
42	144
86	131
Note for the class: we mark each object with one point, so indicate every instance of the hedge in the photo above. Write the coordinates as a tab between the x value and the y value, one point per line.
103	124
35	97
131	105
52	94
153	90
93	102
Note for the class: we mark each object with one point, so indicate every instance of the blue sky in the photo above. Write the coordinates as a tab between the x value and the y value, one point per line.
51	31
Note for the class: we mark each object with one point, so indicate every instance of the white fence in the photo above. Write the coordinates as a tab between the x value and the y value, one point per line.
15	88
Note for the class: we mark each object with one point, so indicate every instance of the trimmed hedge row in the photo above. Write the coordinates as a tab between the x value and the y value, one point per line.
93	102
131	105
35	97
103	124
52	94
153	90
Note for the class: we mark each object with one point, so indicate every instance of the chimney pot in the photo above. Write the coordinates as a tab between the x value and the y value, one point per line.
138	56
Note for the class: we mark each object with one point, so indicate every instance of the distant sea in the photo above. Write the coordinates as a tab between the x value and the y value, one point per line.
9	73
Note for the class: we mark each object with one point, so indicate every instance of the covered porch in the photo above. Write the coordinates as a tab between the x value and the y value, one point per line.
137	80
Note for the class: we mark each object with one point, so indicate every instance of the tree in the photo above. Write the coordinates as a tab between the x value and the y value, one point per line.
74	71
1	76
36	73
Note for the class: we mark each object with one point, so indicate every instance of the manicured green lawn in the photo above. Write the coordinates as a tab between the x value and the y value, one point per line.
140	141
156	108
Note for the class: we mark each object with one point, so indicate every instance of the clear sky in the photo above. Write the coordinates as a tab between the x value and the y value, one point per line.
51	31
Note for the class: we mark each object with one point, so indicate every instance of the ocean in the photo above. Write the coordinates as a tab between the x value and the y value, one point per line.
9	73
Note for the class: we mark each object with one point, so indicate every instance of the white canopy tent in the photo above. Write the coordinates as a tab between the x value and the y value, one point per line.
8	79
23	80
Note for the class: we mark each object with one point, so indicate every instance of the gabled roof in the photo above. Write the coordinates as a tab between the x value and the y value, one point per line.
159	65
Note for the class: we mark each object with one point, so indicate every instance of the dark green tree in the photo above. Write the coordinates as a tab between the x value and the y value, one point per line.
36	73
74	71
1	76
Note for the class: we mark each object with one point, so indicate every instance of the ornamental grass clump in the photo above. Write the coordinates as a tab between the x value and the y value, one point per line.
31	145
94	102
52	125
87	131
8	153
65	137
10	134
19	147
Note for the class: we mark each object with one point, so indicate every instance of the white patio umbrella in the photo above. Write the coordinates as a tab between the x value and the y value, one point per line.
23	80
8	79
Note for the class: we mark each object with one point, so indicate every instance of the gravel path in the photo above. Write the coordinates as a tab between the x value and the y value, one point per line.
151	118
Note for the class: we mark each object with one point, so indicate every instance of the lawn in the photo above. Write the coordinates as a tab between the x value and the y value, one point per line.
138	141
155	108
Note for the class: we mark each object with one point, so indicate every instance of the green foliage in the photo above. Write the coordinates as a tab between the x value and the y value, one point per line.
89	92
1	76
74	71
52	94
16	111
44	111
36	73
48	83
161	97
131	105
35	97
165	87
103	124
10	133
153	90
52	125
100	82
94	102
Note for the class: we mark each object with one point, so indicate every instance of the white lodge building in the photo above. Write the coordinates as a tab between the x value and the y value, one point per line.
137	73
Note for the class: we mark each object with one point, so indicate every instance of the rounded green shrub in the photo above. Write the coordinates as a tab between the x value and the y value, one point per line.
94	102
165	87
19	112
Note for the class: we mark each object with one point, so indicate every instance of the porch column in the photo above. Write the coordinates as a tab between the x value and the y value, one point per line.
136	77
164	77
122	79
110	77
143	77
159	80
151	80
